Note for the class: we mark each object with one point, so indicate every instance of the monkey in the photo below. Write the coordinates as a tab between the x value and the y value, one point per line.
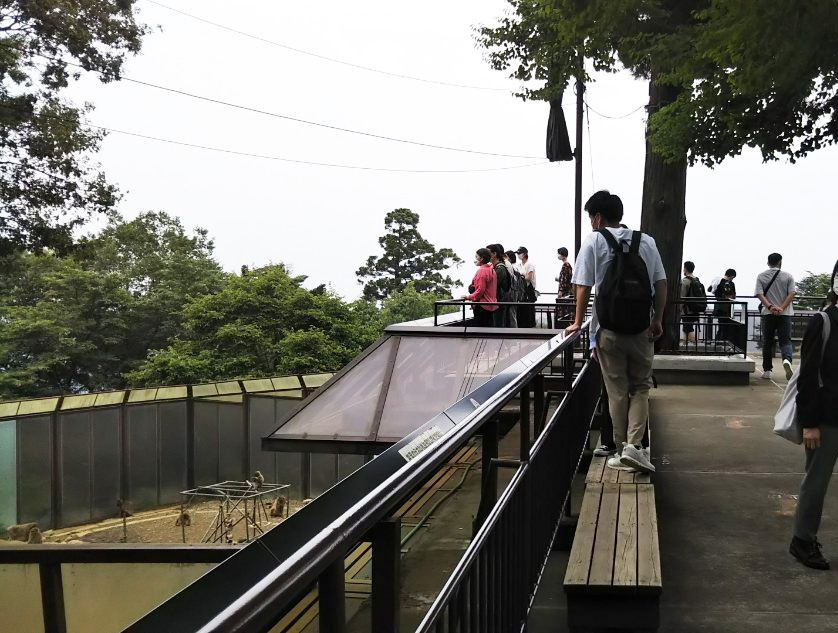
183	519
258	480
278	509
20	532
35	537
125	509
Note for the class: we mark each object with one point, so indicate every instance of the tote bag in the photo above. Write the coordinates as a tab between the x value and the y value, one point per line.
785	421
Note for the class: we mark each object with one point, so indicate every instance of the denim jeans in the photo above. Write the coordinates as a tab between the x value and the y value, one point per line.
781	327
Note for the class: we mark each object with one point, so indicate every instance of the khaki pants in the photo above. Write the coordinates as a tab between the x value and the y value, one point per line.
626	361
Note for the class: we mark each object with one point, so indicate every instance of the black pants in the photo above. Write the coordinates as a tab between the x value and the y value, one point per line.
482	317
779	327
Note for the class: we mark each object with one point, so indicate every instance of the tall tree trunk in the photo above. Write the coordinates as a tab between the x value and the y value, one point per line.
664	212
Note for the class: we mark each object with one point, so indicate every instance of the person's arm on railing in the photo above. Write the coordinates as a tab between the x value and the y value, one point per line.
583	294
479	289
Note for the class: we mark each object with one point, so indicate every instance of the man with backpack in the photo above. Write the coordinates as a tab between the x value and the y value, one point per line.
626	269
504	285
775	290
695	302
516	291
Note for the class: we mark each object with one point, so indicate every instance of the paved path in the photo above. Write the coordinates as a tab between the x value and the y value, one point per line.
725	491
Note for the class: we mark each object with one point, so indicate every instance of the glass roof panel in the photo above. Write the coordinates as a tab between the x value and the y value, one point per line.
433	373
346	410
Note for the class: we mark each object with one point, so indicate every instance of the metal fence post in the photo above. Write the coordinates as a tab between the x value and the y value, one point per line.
331	588
525	424
538	403
386	571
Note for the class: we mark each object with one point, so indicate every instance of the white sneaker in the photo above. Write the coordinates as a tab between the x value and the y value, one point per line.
766	375
789	370
616	464
636	458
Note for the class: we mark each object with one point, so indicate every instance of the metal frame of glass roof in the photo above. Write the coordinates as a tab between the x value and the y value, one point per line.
396	384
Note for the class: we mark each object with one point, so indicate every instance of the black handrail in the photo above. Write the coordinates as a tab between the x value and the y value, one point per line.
467	600
342	522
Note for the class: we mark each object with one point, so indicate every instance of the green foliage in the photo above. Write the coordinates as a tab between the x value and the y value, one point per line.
737	76
408	257
263	323
409	304
79	322
813	285
48	185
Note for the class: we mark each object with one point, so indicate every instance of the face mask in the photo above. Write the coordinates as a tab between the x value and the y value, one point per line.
835	283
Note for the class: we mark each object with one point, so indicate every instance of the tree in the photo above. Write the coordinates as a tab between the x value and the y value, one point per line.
409	304
263	323
79	322
48	184
814	285
721	76
408	257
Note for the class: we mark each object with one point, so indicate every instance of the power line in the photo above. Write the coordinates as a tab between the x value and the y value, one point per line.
286	117
323	57
287	160
590	146
622	116
307	162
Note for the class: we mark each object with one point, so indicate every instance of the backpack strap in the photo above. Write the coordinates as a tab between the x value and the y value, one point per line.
635	242
612	241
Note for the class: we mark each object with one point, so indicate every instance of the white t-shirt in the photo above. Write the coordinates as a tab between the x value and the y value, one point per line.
595	255
779	290
527	268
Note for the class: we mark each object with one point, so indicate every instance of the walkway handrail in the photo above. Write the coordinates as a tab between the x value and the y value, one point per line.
464	574
261	604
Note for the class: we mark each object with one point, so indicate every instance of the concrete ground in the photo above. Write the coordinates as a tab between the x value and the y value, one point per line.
726	490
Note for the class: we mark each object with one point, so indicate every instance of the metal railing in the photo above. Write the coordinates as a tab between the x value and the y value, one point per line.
254	589
719	330
493	586
558	313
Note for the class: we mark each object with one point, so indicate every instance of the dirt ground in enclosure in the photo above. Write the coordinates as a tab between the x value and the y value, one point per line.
158	526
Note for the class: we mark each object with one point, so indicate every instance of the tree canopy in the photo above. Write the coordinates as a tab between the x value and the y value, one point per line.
48	183
262	323
80	322
408	257
739	76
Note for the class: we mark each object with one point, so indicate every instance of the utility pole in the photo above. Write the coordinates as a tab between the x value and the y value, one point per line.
577	154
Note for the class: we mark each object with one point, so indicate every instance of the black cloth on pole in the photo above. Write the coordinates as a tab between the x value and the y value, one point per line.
558	141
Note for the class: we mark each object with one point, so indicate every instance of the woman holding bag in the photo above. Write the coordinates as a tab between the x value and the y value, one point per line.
817	413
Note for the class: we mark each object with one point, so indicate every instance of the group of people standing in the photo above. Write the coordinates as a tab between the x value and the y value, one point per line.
503	276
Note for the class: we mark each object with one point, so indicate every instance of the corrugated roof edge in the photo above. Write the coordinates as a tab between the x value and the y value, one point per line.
51	404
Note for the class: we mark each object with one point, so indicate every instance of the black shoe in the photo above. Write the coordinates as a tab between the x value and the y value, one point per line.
808	553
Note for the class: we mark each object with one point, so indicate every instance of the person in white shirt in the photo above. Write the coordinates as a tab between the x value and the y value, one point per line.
626	359
526	314
775	290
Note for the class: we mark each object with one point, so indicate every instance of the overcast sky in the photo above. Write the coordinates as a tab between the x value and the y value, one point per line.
325	221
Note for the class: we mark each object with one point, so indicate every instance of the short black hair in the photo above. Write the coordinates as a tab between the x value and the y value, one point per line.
730	272
775	259
563	251
512	257
606	204
689	267
484	255
497	249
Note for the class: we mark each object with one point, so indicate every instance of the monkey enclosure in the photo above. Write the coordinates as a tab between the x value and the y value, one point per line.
238	502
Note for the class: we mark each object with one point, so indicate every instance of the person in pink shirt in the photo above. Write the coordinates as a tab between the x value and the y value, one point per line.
483	289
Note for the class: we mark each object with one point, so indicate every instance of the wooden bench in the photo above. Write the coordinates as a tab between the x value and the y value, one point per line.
613	577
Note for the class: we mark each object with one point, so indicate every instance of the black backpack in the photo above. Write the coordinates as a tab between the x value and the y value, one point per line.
697	296
624	298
